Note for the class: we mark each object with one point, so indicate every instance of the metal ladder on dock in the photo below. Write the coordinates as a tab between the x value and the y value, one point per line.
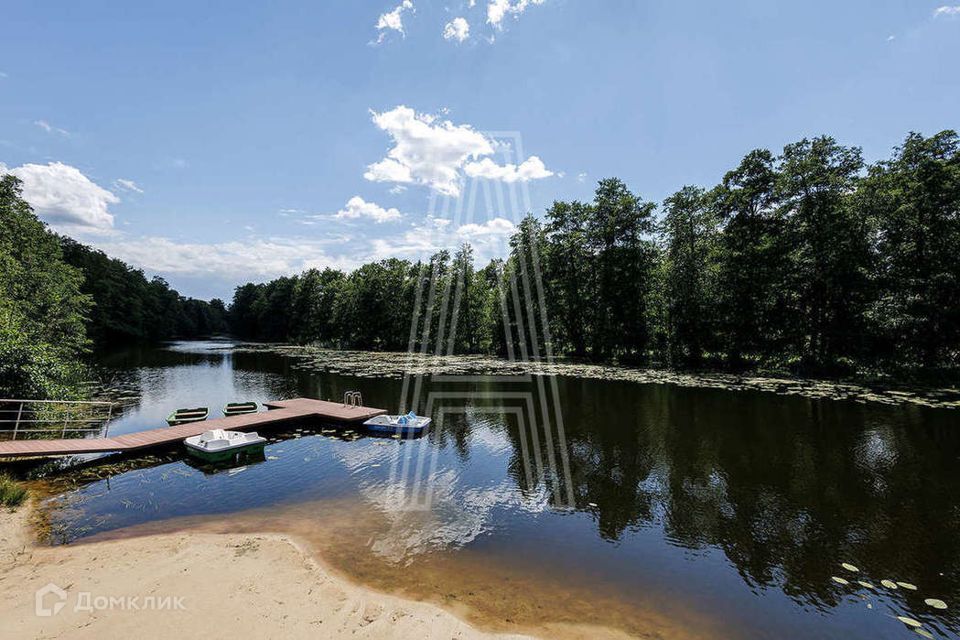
352	399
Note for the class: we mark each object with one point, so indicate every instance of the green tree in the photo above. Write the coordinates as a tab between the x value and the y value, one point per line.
689	236
42	310
829	253
913	201
569	275
752	253
618	234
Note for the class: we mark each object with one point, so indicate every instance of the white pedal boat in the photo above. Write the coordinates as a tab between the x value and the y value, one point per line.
220	441
403	424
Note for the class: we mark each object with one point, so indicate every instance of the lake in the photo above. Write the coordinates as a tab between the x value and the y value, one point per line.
649	508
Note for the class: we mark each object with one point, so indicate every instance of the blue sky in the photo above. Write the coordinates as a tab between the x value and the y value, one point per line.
222	143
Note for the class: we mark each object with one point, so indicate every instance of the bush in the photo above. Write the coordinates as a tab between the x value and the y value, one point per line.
12	493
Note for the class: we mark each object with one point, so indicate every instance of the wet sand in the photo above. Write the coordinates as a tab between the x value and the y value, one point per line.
347	544
229	586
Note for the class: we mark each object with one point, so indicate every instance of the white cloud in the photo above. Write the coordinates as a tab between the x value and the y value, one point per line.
496	227
582	177
426	151
49	128
436	153
457	29
357	207
127	185
530	169
488	239
67	199
393	20
498	9
947	11
252	259
257	258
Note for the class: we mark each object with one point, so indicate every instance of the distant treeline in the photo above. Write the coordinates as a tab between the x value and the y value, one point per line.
127	307
809	260
58	298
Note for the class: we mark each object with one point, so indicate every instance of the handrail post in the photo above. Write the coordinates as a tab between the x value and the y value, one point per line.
106	427
16	426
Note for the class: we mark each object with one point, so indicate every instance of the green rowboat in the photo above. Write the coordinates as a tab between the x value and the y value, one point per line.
183	416
240	408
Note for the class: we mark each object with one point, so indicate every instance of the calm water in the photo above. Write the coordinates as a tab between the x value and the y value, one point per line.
735	508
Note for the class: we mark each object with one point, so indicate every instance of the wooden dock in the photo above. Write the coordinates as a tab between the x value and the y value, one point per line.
278	412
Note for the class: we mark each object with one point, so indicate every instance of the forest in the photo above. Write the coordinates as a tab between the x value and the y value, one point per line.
61	299
807	261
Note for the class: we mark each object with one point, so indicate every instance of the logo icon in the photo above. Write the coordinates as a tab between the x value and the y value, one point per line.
50	592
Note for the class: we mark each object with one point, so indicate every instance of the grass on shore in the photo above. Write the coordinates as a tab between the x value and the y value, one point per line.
12	493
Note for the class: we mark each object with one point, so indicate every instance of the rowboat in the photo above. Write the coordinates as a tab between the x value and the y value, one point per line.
240	408
183	416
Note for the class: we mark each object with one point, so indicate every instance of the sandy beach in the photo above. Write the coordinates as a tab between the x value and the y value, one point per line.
197	585
221	579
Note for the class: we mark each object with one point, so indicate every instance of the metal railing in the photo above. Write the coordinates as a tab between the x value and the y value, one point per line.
22	418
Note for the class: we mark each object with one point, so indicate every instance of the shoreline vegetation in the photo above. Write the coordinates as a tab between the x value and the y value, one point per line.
60	299
382	364
12	493
808	261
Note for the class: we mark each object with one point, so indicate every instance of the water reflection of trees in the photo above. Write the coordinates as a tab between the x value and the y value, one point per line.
787	488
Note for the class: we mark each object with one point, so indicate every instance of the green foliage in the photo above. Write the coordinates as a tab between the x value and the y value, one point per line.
129	307
690	232
797	260
42	310
913	204
829	250
55	292
12	493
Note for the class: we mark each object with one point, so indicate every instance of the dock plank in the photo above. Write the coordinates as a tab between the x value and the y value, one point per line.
278	412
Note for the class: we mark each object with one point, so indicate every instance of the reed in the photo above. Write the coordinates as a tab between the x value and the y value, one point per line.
12	493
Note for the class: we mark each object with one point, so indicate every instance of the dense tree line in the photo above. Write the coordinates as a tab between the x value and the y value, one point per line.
129	307
807	260
58	298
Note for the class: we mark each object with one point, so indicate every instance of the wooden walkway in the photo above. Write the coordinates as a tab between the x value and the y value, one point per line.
279	412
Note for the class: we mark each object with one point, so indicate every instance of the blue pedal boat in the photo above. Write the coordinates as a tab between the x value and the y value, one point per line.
407	424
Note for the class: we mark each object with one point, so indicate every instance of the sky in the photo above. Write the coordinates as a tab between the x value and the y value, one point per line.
218	143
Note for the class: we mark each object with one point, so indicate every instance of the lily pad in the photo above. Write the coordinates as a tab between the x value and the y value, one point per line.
924	633
910	622
849	567
907	585
865	584
935	603
839	580
889	584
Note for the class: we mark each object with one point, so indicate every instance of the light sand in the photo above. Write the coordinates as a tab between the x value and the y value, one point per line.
499	595
232	586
